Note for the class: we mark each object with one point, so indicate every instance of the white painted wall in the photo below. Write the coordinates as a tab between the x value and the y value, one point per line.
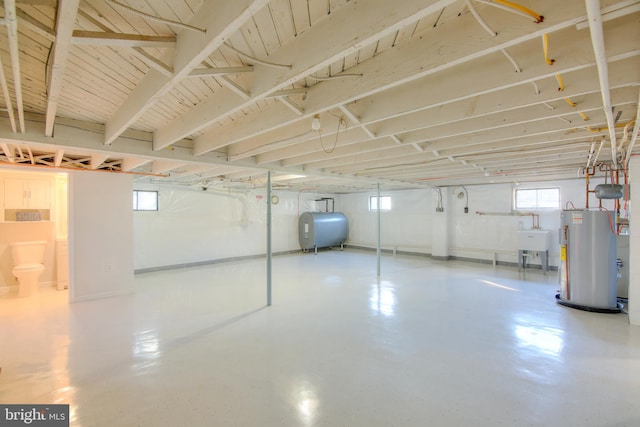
407	225
201	226
100	235
414	225
634	245
193	226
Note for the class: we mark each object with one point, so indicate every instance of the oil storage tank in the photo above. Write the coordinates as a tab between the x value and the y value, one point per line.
322	230
588	269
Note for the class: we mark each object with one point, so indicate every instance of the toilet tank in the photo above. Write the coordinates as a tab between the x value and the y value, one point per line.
28	252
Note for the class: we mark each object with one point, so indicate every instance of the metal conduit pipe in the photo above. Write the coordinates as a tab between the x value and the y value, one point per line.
625	135
634	135
269	245
597	40
592	151
481	21
379	239
535	218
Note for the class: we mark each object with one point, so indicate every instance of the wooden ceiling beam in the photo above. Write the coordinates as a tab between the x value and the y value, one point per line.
534	115
208	72
356	148
8	151
583	81
420	58
11	22
191	49
87	138
480	106
65	21
99	38
97	159
411	170
293	135
131	163
490	77
303	153
59	156
36	26
351	27
402	155
162	166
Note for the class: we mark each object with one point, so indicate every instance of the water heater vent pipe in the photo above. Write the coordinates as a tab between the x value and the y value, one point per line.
597	40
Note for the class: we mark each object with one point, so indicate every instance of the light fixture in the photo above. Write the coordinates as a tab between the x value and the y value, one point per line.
287	177
464	194
315	123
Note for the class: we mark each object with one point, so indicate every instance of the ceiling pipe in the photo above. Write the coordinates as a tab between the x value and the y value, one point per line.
592	151
597	40
11	21
634	134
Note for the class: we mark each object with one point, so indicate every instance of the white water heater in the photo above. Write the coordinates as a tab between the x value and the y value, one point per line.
588	270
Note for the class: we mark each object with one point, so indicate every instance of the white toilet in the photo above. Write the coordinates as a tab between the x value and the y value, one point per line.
28	265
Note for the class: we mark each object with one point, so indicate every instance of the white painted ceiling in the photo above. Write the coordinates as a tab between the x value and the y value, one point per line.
409	93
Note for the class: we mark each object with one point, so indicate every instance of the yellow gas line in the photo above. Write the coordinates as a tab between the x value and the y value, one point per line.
538	18
570	102
545	49
560	82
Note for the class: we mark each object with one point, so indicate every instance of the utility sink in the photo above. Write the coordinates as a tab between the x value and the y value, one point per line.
534	240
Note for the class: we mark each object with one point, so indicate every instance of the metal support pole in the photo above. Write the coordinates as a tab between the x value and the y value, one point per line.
269	254
378	250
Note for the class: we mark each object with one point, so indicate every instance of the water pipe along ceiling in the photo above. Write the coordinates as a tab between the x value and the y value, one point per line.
334	95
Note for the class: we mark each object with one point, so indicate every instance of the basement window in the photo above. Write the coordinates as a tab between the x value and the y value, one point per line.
145	200
385	203
537	198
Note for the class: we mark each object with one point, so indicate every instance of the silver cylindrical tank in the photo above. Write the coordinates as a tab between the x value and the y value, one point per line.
622	262
322	230
588	259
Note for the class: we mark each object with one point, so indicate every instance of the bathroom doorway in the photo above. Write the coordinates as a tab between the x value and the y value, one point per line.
34	209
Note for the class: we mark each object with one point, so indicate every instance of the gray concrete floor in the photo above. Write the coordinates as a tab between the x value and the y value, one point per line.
428	343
